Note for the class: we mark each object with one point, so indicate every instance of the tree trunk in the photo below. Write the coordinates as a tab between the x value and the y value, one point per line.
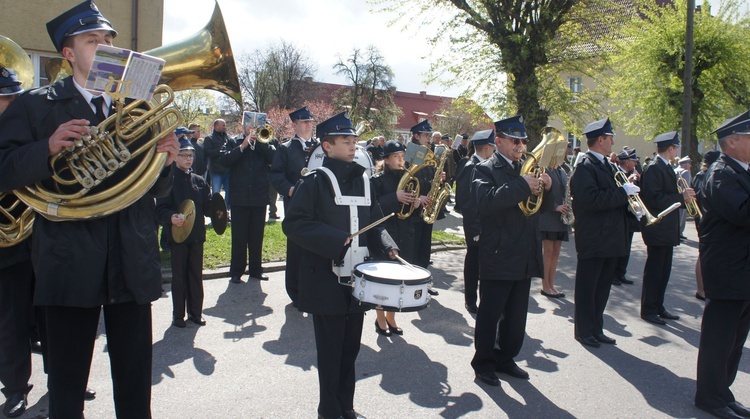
526	86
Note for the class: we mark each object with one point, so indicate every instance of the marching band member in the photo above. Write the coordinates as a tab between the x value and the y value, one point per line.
326	204
421	135
390	198
724	243
627	162
83	267
483	143
599	206
286	170
510	253
658	192
697	184
186	258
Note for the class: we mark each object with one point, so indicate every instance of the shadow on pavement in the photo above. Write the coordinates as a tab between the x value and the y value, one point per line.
536	404
239	305
296	340
450	324
176	346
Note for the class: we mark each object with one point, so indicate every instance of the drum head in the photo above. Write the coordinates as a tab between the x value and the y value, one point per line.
360	156
392	273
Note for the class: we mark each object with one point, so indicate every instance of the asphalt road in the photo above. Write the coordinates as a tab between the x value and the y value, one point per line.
256	357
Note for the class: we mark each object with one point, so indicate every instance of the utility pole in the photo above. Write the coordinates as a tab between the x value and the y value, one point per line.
687	81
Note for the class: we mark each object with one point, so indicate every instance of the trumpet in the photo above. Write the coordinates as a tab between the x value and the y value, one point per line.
636	205
265	133
691	205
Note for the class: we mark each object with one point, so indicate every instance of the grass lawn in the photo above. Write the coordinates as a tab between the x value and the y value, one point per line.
217	249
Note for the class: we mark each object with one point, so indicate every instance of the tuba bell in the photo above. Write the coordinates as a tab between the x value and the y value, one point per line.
550	152
114	166
16	218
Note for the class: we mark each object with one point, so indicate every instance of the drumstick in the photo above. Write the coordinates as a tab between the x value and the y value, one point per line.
405	263
371	225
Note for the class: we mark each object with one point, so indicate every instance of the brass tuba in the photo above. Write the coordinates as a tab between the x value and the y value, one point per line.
16	218
87	179
550	152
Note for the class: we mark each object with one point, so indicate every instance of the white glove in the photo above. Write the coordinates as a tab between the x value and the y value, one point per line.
631	189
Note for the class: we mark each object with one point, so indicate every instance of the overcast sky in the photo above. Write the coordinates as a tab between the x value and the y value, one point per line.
322	28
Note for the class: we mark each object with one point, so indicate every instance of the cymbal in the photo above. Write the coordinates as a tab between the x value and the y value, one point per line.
187	209
218	213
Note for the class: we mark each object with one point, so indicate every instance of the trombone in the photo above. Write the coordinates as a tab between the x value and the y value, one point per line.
637	207
691	205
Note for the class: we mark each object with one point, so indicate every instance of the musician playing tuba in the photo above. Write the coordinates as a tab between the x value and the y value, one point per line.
83	265
510	252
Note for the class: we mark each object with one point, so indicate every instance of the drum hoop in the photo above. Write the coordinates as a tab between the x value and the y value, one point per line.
359	274
392	308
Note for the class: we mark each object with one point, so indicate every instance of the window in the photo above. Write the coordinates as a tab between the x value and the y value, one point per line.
575	84
40	62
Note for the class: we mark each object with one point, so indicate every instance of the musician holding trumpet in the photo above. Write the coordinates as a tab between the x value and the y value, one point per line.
83	265
659	191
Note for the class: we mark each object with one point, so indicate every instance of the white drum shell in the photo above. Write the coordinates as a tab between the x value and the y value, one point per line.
391	286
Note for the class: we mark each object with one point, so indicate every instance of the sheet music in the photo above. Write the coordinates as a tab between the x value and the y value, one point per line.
119	70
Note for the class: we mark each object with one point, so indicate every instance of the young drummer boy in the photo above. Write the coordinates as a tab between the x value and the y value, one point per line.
186	257
328	205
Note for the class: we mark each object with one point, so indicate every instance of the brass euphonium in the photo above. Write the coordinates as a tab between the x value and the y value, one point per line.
419	157
87	179
16	218
554	141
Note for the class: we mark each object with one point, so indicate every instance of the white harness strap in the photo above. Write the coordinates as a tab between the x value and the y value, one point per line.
355	254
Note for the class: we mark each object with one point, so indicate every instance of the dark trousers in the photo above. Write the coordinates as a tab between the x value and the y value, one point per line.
471	274
71	332
248	224
723	333
187	279
621	268
293	256
422	243
274	196
655	279
16	312
593	282
509	300
337	340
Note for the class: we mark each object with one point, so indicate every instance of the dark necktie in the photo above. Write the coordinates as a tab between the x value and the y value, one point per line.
517	167
607	165
99	105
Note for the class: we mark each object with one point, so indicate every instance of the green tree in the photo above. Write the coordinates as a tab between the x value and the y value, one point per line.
462	116
197	106
369	95
649	66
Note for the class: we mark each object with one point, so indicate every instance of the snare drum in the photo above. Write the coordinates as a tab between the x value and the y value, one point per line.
391	286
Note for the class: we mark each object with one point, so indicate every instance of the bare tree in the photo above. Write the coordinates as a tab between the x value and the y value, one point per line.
277	76
369	95
197	106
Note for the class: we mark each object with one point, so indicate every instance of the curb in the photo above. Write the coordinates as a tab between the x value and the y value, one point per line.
276	266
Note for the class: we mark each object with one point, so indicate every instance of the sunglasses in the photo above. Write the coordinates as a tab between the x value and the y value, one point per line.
518	141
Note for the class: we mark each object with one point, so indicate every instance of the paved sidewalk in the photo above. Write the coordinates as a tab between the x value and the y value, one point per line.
256	356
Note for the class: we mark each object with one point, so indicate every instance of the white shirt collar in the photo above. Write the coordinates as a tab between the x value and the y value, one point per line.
597	155
479	158
510	162
664	160
88	96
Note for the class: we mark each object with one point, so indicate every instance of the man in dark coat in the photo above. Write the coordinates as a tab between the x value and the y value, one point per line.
724	244
510	253
212	145
286	170
659	192
200	167
484	145
322	227
627	161
248	161
599	206
81	266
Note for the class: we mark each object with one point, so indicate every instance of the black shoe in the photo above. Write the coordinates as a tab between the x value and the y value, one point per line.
15	405
261	277
382	332
89	394
653	318
700	297
513	370
489	378
589	341
236	279
432	292
395	330
273	216
669	316
178	323
36	347
353	414
197	320
724	412
626	281
739	409
683	237
605	339
552	295
471	308
617	282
